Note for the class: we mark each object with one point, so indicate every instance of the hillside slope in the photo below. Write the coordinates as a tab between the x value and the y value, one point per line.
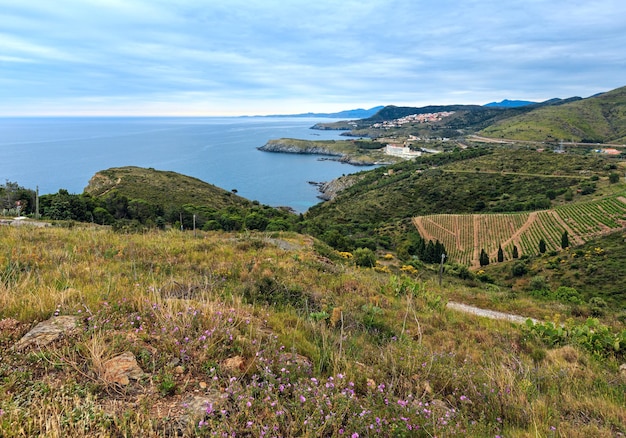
468	181
178	334
464	236
597	119
168	189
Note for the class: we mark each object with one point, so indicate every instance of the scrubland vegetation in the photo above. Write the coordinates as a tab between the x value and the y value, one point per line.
231	318
321	346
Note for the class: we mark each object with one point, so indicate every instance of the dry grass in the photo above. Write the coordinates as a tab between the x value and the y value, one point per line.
387	360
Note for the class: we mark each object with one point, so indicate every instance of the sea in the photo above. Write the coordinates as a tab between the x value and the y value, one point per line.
52	153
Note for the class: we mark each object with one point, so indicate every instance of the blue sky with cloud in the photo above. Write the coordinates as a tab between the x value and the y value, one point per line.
235	57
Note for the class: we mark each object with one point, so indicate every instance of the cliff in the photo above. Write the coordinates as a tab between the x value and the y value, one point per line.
345	151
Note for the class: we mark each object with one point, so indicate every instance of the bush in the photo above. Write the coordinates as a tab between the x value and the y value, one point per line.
598	306
567	295
538	283
267	290
519	269
364	257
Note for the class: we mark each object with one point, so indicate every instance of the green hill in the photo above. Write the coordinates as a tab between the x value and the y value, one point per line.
468	181
168	189
598	119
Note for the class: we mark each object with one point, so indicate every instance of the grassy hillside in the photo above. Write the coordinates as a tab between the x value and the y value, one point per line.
598	119
469	181
593	269
253	334
160	187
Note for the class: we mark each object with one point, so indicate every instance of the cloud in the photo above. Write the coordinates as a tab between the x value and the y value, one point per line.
85	56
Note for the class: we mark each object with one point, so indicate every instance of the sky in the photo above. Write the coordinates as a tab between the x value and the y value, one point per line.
259	57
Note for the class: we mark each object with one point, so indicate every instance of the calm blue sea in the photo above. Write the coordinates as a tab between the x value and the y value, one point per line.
65	152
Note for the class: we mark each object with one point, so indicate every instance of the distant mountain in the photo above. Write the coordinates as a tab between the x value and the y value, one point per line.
506	103
347	114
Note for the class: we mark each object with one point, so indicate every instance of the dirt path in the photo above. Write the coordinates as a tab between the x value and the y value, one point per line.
419	224
491	314
476	254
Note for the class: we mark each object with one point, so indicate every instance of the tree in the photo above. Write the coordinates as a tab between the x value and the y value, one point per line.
500	254
614	177
542	246
564	240
484	258
515	253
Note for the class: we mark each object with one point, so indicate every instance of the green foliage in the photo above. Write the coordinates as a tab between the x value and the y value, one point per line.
500	254
381	201
598	306
564	240
519	268
542	246
268	290
567	295
592	336
167	384
613	177
364	257
538	282
484	258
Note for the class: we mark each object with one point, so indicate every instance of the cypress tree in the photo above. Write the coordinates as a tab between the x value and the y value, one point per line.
564	240
500	254
484	258
542	246
429	253
515	253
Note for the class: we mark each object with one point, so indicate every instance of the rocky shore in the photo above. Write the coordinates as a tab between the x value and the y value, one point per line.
289	146
292	148
330	189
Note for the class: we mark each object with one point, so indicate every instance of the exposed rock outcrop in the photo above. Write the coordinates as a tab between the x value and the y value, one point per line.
121	368
48	331
329	190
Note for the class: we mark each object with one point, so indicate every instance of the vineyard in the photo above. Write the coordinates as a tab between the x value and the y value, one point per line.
465	235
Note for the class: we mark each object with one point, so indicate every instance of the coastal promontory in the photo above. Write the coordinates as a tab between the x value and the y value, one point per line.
355	152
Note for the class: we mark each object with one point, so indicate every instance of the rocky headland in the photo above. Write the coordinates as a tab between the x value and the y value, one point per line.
344	151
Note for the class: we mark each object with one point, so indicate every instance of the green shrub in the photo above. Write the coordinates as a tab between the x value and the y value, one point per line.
567	295
519	269
364	257
598	306
538	282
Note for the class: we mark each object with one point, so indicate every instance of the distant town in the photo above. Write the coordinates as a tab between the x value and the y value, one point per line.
413	118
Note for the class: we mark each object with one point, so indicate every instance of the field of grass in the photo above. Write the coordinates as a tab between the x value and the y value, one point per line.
465	235
321	347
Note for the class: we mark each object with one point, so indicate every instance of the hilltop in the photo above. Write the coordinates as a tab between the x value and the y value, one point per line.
164	188
597	119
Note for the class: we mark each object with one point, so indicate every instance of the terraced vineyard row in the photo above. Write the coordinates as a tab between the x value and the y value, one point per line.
464	235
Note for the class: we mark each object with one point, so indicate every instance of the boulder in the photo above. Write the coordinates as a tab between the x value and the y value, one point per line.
48	331
121	368
233	365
